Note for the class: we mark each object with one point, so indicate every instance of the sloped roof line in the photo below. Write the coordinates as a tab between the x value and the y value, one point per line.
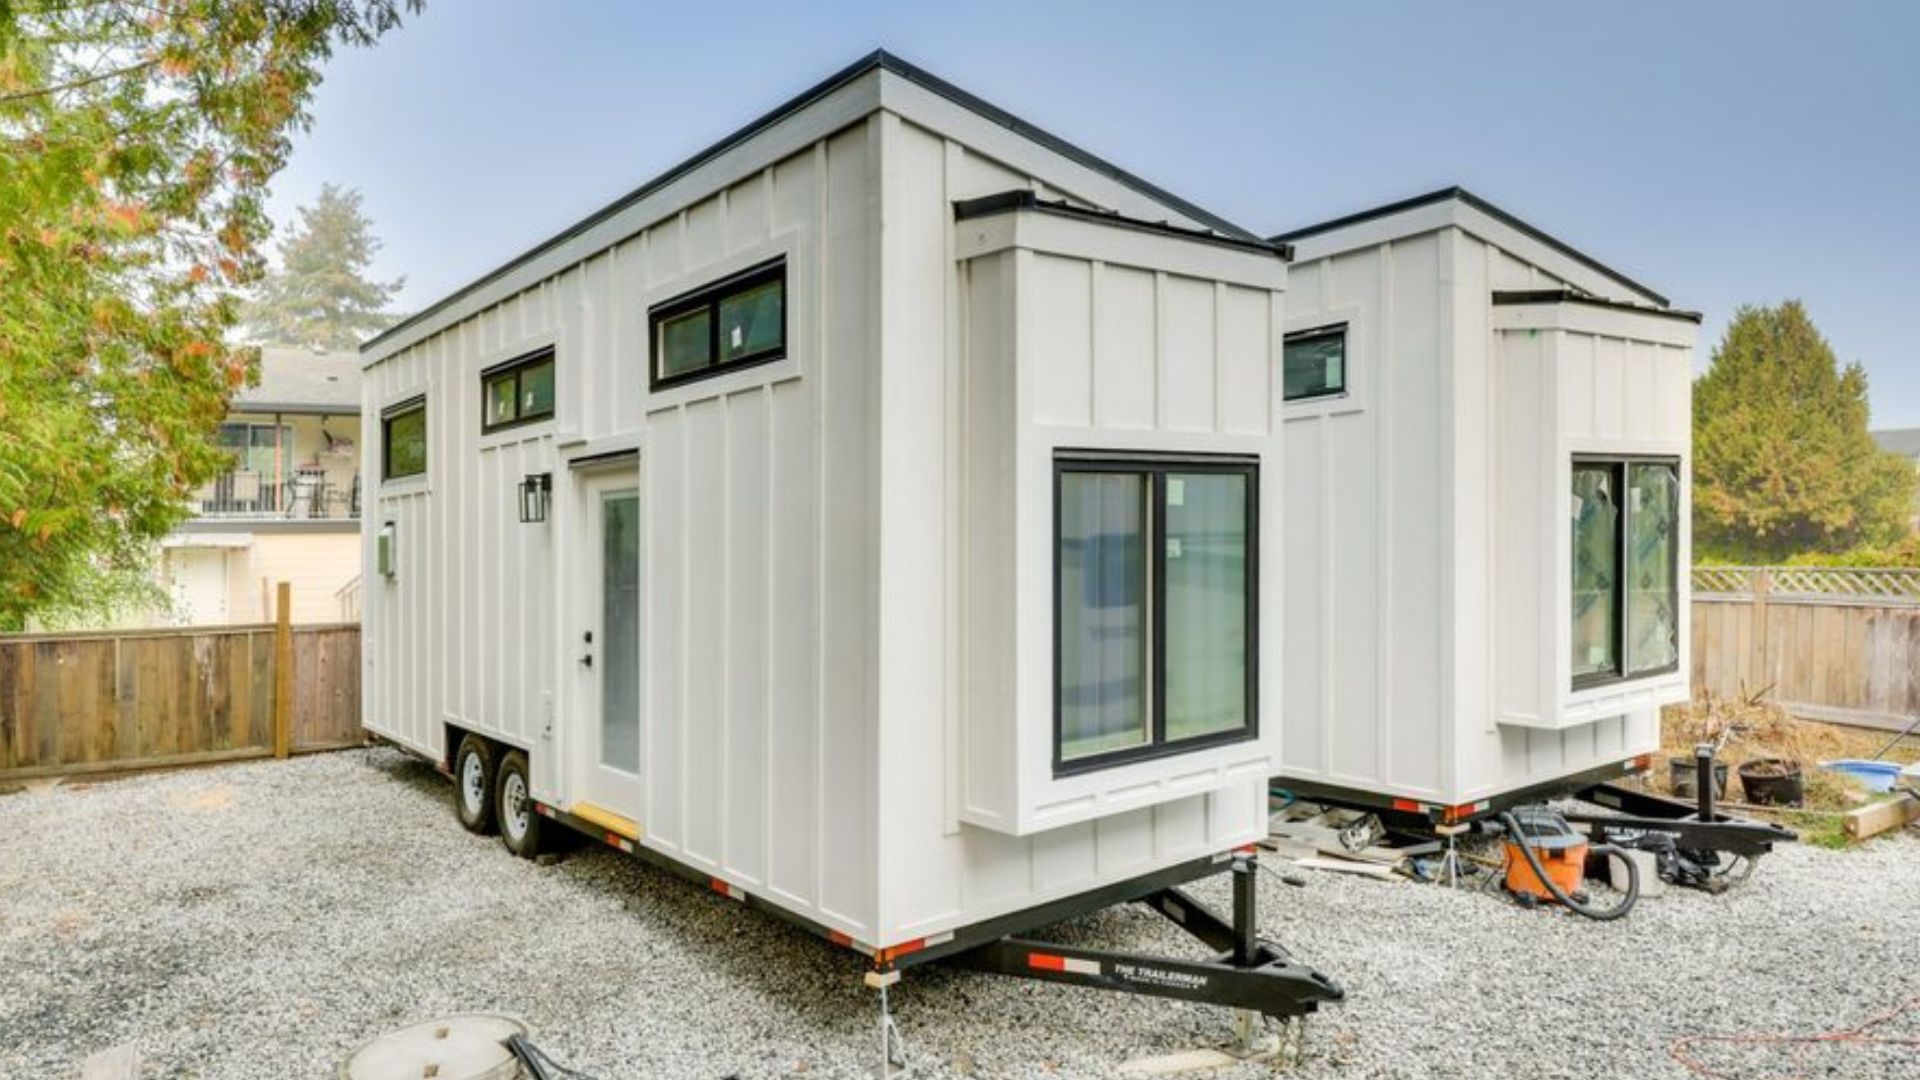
880	60
1468	198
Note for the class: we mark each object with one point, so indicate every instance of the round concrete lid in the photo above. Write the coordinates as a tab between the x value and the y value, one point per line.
472	1046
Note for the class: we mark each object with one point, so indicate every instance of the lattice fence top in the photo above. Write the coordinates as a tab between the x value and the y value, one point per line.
1854	581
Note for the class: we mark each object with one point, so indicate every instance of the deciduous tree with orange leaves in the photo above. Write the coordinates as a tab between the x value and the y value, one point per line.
137	140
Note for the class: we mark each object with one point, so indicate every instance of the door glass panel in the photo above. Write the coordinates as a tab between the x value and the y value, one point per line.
620	631
1596	552
1653	524
1103	613
1206	603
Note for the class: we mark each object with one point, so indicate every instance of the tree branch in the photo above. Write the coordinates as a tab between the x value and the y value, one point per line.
76	84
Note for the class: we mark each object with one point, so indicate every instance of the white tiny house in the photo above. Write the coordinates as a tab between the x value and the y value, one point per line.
873	516
1487	459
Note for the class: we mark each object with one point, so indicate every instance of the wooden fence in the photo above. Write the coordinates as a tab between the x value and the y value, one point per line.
1834	644
97	702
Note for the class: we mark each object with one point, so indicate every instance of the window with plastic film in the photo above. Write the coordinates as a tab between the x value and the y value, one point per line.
1626	568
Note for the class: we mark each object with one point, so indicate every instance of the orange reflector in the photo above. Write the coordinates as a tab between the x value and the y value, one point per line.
894	952
1046	962
839	938
1642	763
1408	805
1246	849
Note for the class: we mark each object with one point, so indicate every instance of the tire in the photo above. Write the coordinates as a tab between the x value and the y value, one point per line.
474	784
513	807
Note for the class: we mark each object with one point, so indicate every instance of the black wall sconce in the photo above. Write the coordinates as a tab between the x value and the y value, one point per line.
536	491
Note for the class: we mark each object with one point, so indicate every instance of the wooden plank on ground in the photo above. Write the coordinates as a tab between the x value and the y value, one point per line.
1884	816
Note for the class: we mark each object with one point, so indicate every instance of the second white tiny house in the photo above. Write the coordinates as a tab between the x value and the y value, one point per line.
1487	457
872	517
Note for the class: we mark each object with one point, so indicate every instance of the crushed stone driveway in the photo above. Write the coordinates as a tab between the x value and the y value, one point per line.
262	920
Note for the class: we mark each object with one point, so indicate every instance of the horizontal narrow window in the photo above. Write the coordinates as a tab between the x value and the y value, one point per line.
1315	363
1154	606
403	440
731	324
518	392
1626	533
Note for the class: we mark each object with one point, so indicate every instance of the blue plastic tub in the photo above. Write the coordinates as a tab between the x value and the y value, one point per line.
1876	775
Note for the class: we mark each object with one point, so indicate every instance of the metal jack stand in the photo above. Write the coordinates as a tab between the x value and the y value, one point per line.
1450	859
893	1049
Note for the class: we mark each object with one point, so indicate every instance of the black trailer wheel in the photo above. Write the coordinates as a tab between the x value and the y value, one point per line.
513	802
473	784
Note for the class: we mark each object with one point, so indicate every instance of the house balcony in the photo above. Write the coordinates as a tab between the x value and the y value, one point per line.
302	494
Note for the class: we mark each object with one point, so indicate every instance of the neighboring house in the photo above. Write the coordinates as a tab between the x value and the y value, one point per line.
288	510
1906	443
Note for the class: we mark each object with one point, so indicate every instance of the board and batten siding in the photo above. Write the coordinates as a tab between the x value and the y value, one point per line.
756	507
991	363
805	526
1403	629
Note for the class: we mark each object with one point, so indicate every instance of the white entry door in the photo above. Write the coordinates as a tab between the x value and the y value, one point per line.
607	642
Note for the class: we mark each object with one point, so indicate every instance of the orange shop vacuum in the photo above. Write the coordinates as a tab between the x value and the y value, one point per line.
1547	862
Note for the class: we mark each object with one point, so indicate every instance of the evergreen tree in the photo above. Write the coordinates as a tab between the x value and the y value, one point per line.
321	296
1783	464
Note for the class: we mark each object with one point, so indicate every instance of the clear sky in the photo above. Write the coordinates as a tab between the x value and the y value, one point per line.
1722	151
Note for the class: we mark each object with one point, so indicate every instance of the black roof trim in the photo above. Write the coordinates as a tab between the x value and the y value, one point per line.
879	59
1571	296
1023	199
1463	195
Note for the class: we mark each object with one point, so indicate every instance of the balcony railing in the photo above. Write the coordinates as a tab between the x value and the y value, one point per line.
306	495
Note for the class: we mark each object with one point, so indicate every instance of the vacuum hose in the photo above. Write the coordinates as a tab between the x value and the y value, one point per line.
1599	914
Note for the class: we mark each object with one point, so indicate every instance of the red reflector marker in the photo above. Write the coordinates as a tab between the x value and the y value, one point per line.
1045	962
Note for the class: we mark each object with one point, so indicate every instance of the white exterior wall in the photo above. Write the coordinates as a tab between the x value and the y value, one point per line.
756	509
992	362
1403	627
802	526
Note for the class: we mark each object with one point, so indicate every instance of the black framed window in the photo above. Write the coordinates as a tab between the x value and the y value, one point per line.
517	392
1155	616
730	324
403	440
1625	517
1314	363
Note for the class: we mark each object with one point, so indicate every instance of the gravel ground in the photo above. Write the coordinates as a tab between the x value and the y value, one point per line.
262	920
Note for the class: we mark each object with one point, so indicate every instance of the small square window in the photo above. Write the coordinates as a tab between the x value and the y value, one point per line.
1315	363
517	392
403	440
734	323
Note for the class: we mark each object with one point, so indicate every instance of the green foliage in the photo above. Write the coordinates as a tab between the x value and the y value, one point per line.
1783	464
136	143
1902	552
321	297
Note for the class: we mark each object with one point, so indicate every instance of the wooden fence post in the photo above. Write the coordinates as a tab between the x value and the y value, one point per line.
283	670
1760	665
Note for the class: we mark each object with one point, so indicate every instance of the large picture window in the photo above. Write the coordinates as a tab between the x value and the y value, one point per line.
730	324
403	440
517	392
1155	581
1626	549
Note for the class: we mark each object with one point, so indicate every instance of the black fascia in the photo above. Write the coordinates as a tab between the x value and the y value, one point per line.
1024	199
1462	195
1519	297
